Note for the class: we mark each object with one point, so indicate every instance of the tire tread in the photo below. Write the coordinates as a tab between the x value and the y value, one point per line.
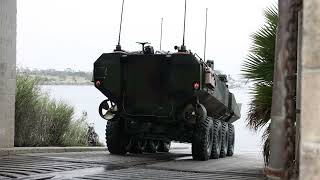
216	146
199	146
231	139
116	140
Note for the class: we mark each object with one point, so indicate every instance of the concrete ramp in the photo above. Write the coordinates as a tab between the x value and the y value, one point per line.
177	164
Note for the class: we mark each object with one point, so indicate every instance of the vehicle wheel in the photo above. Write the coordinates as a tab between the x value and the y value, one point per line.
116	139
216	145
231	139
152	146
137	146
224	139
202	140
164	146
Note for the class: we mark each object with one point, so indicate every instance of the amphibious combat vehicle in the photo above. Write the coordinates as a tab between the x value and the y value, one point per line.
154	98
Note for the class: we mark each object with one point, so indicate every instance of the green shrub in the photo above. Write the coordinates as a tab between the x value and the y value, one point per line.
77	133
41	121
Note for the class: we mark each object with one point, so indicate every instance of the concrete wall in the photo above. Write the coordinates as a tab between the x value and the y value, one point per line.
8	11
310	92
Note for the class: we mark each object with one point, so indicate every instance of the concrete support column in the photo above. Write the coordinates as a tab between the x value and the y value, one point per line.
310	92
8	13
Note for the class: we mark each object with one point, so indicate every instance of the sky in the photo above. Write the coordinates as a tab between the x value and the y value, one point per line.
60	34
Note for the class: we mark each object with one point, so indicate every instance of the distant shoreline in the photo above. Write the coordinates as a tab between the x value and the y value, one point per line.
57	77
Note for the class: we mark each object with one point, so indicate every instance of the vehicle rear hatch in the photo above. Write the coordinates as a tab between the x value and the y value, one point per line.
147	85
158	84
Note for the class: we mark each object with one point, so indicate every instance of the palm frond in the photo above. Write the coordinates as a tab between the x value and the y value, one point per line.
260	106
258	67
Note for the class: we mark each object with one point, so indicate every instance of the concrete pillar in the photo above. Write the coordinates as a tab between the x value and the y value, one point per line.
8	13
310	92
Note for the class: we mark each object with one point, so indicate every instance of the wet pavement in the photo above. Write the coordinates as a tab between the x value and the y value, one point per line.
177	164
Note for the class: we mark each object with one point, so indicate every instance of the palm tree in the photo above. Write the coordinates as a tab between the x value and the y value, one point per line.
258	68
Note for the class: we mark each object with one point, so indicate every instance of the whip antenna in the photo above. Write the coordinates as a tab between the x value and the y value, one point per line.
183	47
161	34
205	36
118	47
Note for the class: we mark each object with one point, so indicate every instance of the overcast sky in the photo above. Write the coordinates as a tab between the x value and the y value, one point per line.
64	34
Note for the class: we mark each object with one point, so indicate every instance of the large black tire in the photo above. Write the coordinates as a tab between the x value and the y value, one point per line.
116	139
152	146
164	146
216	145
202	140
231	139
224	139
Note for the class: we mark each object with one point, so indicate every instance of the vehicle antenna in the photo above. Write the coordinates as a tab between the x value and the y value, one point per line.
118	47
183	47
161	34
205	36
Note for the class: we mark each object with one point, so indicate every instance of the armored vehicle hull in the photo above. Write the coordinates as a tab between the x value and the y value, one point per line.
153	99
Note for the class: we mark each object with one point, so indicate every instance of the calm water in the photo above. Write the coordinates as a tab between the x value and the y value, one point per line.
87	98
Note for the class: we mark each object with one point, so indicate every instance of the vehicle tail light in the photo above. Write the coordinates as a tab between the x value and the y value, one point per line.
98	83
196	85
